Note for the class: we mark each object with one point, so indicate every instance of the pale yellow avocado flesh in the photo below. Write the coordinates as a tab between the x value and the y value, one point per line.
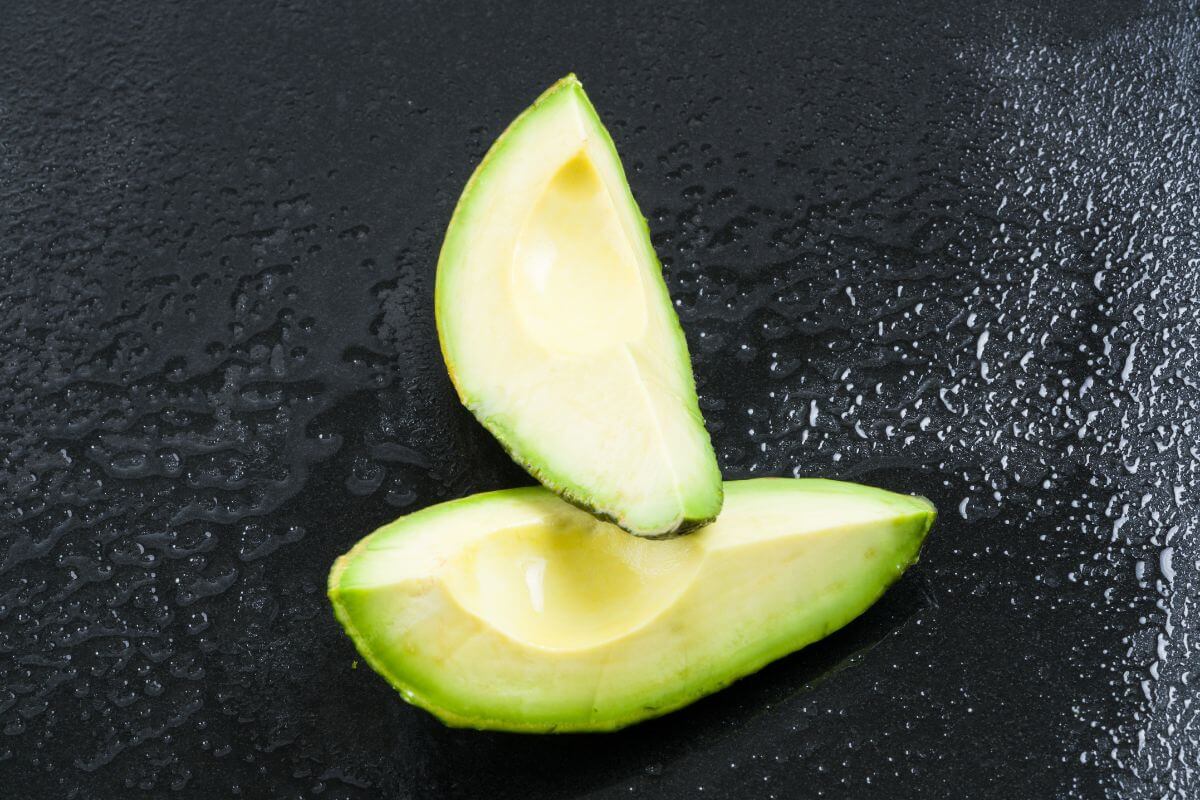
558	331
513	610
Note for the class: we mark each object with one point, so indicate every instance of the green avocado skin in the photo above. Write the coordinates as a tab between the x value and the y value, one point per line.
912	517
703	498
579	498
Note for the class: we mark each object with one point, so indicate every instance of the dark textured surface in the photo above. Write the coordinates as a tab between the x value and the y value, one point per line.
949	249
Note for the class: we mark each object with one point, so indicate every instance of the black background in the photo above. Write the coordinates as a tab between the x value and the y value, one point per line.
942	248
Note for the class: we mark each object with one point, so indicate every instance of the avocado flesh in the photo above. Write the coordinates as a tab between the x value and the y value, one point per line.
558	331
515	611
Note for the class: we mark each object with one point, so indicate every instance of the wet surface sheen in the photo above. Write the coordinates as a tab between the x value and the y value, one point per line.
935	249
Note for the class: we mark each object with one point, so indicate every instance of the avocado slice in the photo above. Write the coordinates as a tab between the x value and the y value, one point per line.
513	610
558	330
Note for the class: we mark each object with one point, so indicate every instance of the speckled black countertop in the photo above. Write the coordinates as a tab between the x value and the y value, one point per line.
942	248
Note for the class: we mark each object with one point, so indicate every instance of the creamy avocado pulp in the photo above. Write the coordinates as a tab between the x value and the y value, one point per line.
513	610
558	331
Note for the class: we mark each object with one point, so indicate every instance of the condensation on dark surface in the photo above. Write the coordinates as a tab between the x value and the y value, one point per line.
948	249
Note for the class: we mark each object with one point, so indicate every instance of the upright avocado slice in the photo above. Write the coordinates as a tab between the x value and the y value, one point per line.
558	330
516	611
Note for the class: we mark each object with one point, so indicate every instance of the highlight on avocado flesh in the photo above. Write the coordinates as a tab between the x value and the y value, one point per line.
558	330
516	611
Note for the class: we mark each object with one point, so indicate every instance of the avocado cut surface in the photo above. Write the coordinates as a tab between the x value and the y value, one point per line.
513	610
558	331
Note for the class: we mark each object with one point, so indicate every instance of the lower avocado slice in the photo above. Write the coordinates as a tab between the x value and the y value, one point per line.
516	611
